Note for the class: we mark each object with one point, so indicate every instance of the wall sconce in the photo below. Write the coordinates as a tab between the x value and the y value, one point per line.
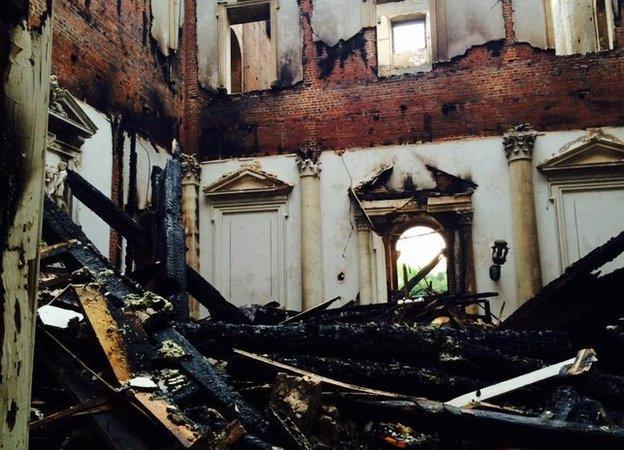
499	257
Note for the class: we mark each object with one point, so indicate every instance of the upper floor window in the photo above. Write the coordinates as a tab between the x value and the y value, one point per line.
409	36
406	37
247	45
582	26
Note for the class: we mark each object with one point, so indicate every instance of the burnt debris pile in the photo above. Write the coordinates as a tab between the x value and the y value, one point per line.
119	366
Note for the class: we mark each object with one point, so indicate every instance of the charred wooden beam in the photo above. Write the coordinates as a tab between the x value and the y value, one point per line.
203	372
58	227
550	308
400	342
107	210
168	234
494	428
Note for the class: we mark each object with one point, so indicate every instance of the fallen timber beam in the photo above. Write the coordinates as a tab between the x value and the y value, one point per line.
573	366
312	312
109	335
401	342
549	308
95	406
109	212
404	379
168	243
85	388
203	372
488	426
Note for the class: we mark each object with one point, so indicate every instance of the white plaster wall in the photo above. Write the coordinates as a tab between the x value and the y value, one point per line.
97	168
335	20
167	19
148	156
573	26
530	22
472	22
480	160
285	168
207	43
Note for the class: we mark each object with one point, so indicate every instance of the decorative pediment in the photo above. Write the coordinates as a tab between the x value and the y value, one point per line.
432	182
69	125
249	180
596	152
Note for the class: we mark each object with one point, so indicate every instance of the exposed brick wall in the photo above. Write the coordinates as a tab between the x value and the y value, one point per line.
342	103
103	53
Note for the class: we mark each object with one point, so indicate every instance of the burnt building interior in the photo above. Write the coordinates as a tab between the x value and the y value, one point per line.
311	224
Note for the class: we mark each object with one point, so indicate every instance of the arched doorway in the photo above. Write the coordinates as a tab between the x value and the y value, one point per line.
421	262
236	63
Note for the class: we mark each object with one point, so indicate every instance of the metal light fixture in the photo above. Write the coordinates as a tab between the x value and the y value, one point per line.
499	257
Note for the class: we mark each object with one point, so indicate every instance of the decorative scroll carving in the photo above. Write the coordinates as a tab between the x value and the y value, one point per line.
308	167
519	142
191	168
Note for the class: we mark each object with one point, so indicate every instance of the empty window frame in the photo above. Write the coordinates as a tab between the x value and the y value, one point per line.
582	26
247	45
406	36
409	36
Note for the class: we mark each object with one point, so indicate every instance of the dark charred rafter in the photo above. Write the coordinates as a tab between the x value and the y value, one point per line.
58	227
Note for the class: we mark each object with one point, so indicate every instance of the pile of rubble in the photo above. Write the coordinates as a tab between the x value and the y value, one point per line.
119	365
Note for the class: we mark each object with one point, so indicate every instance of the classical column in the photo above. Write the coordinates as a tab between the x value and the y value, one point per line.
365	260
191	175
469	279
468	276
518	143
311	234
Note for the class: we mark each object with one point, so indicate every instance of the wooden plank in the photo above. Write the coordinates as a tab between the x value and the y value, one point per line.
110	338
96	406
312	312
159	410
326	380
106	331
573	366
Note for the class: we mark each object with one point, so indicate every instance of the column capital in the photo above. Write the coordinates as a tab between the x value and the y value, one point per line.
308	167
361	222
519	142
191	170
